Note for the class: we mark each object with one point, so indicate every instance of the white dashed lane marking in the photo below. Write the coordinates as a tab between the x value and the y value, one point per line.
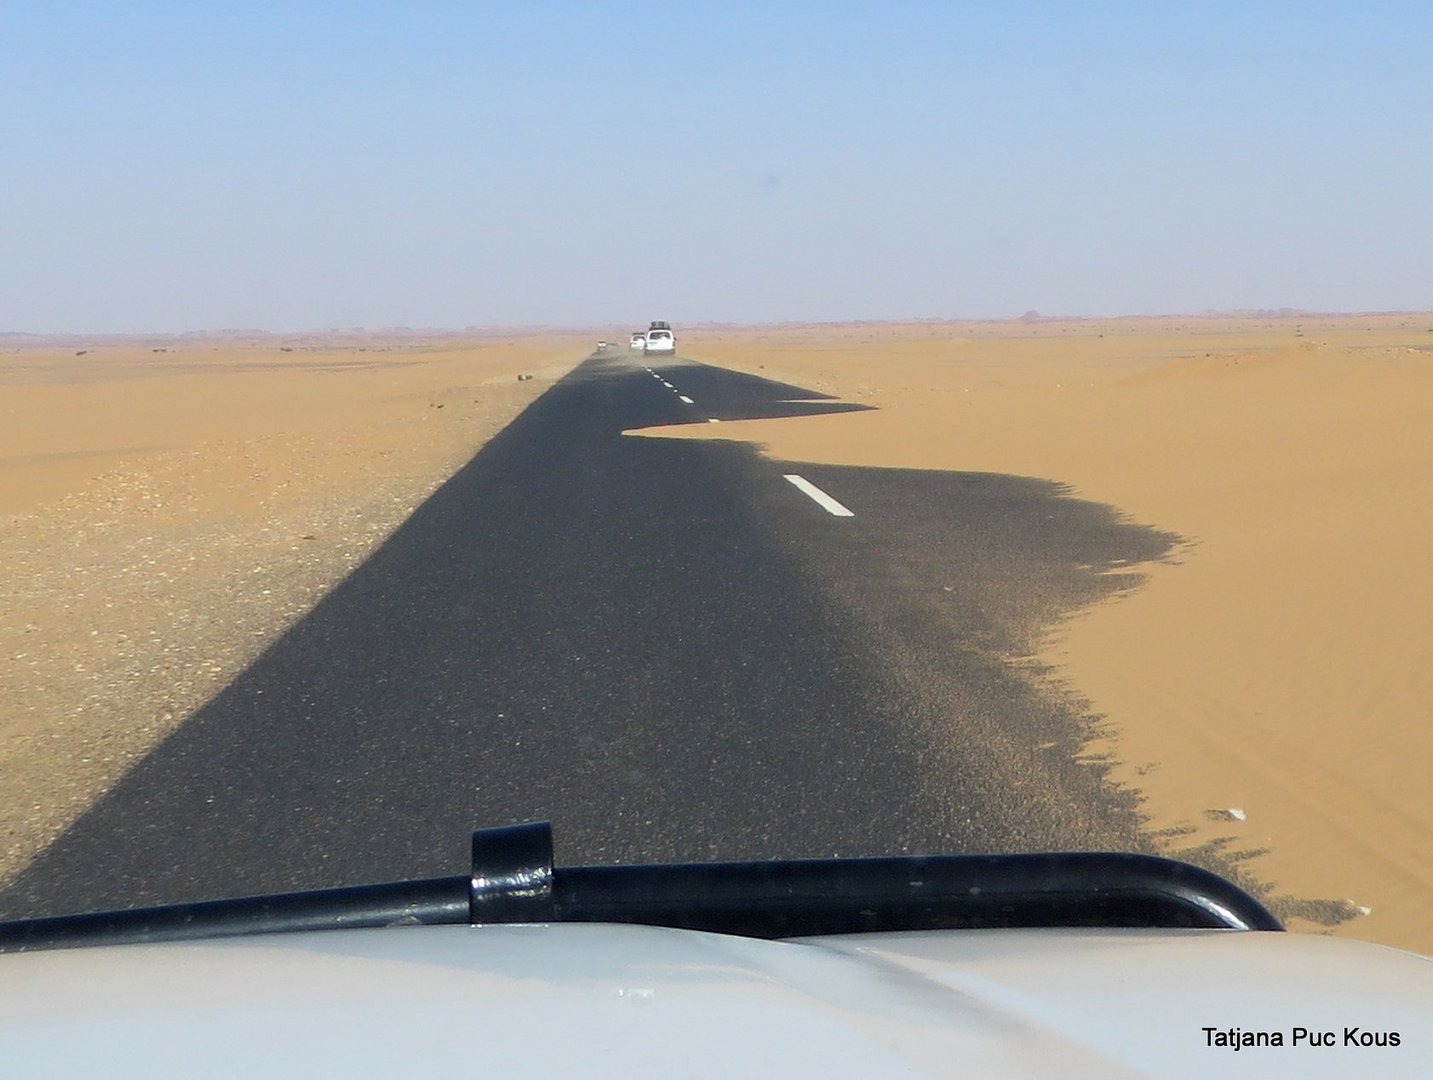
680	396
806	487
819	497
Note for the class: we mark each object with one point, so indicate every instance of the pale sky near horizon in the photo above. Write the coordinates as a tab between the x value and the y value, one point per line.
179	166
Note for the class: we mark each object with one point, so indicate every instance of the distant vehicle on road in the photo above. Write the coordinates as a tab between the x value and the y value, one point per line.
602	346
639	341
661	340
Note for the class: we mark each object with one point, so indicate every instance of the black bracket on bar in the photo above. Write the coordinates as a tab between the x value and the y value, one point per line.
512	874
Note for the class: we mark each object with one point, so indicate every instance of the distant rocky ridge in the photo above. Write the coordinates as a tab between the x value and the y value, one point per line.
331	337
393	334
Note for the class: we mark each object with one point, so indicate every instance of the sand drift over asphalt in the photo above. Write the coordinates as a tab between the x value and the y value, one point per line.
1264	691
1267	691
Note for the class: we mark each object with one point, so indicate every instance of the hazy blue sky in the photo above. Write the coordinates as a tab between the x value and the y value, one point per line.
287	165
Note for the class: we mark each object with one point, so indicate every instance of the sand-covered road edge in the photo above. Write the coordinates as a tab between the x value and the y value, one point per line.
1267	691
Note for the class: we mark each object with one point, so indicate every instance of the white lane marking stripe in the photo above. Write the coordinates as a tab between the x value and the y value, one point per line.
713	420
683	397
830	505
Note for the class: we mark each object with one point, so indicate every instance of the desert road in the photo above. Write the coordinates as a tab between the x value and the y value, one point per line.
674	649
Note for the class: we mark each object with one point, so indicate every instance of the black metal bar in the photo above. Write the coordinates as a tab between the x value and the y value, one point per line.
513	880
434	901
847	896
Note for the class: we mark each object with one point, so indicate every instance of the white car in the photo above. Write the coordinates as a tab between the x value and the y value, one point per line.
639	341
1068	965
661	341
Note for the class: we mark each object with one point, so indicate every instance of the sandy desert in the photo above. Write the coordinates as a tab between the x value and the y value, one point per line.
169	511
1265	690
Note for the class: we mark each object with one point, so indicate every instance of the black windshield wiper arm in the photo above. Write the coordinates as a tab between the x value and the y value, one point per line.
513	880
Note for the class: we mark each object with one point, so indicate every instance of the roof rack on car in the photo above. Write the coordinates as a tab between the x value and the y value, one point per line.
513	880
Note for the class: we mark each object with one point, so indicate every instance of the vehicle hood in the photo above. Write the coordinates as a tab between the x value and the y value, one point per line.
595	1000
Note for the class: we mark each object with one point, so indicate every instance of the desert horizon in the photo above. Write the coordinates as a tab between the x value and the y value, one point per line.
408	335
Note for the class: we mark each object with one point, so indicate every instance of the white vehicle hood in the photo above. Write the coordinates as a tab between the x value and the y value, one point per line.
591	1000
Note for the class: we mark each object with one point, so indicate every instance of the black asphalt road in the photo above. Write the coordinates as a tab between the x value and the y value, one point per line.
662	646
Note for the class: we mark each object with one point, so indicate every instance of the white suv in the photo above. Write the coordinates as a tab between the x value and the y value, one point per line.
661	341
